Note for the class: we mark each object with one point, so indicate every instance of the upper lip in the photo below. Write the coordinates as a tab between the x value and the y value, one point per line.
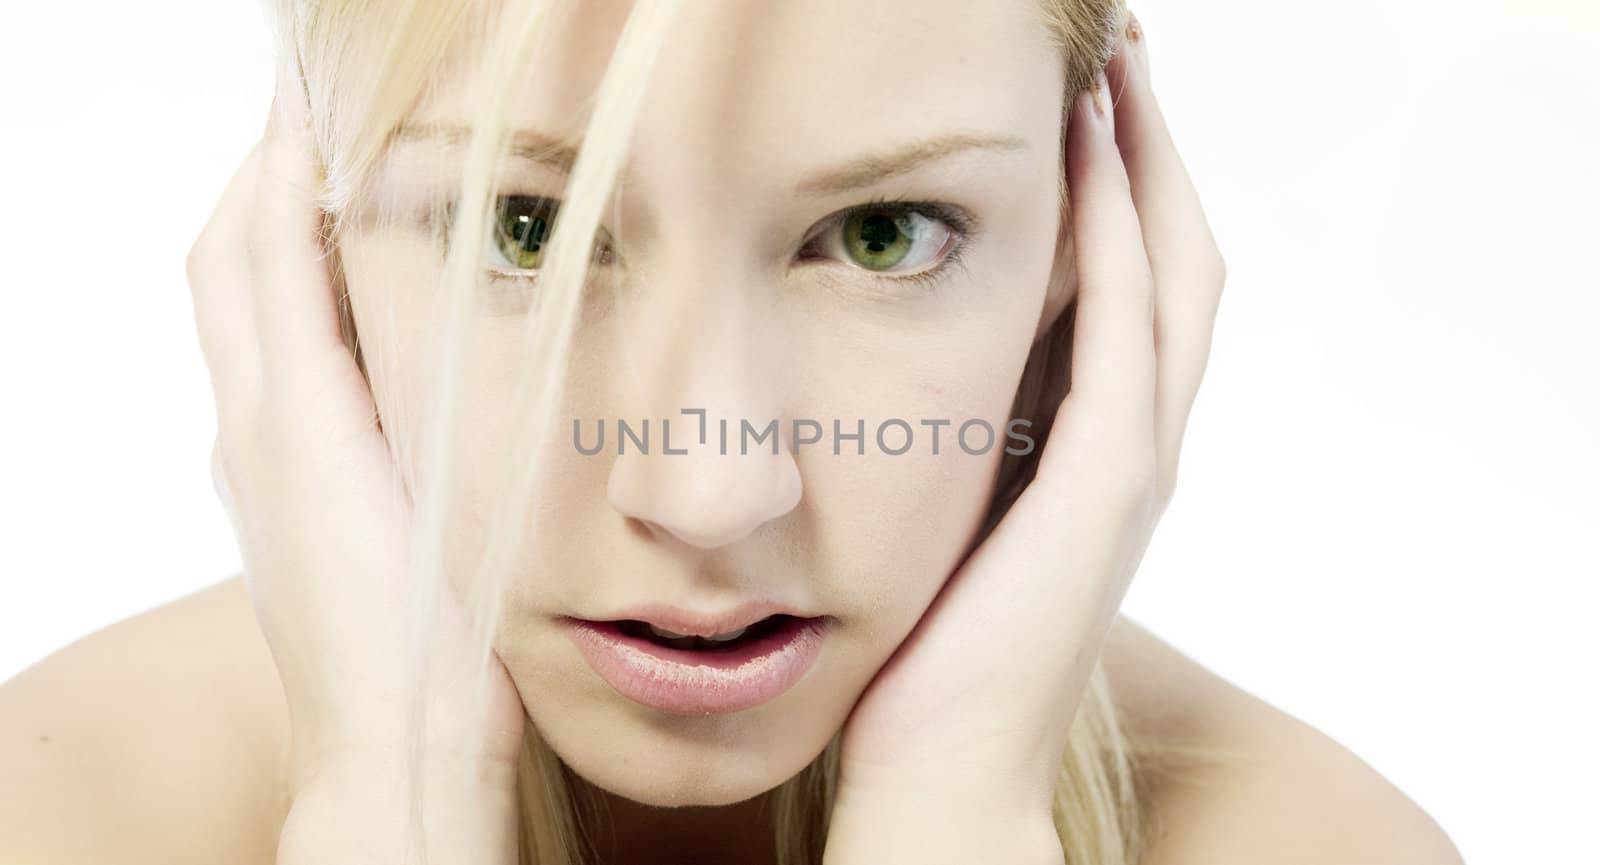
701	624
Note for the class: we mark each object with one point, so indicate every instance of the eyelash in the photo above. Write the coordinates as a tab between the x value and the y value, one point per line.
961	223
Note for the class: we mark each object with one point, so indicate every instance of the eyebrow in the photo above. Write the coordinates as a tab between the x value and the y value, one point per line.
561	154
869	169
549	150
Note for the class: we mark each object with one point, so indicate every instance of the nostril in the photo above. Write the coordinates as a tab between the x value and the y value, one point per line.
644	529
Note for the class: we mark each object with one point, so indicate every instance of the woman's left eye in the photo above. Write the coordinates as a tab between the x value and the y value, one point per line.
892	239
521	231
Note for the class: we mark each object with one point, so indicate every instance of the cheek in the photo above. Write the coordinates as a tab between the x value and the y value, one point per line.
884	530
391	278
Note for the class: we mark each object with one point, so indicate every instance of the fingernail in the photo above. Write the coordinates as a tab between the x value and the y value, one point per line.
1138	47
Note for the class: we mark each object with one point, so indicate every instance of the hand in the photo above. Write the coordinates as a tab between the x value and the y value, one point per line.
323	519
980	695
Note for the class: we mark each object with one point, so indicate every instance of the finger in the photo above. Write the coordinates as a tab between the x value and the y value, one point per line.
1111	401
219	287
296	312
1183	255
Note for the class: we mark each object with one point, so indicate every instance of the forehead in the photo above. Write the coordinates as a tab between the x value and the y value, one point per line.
760	87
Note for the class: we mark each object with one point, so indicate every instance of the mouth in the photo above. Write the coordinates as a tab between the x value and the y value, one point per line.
721	642
689	674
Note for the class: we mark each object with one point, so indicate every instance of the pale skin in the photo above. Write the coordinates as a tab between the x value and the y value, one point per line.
1147	278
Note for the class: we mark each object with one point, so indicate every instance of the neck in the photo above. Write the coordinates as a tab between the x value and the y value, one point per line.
626	832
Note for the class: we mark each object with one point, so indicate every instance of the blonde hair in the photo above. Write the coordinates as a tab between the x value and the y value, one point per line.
366	65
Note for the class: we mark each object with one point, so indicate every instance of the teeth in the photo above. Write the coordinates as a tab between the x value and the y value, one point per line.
723	637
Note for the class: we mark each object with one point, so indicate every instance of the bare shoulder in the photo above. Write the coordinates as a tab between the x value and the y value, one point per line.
157	739
1244	782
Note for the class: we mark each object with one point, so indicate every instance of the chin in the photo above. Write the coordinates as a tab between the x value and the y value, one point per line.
667	760
659	764
664	792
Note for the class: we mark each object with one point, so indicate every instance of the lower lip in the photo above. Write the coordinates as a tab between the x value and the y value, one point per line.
690	682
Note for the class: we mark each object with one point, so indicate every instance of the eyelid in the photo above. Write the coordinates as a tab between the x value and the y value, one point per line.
955	217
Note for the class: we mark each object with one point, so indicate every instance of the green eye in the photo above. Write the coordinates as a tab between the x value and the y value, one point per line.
891	239
878	239
522	230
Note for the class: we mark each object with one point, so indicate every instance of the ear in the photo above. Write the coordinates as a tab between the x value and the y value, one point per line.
1063	285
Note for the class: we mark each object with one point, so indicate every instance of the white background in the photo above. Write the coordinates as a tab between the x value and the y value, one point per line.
1386	521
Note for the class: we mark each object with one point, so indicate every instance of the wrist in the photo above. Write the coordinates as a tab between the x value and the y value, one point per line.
948	820
359	808
998	781
394	768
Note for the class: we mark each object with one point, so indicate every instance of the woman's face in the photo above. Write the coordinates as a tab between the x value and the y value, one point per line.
739	280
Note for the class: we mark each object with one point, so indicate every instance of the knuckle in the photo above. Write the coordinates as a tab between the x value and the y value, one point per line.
1139	487
219	473
1166	489
231	468
1218	270
195	263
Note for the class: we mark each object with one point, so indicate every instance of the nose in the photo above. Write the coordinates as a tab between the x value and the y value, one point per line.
704	498
703	367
